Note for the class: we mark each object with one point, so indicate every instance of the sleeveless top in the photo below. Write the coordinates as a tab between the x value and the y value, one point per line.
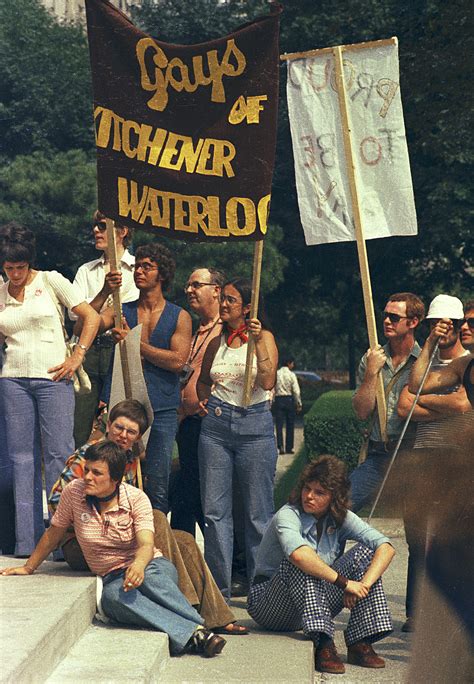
467	383
227	375
162	385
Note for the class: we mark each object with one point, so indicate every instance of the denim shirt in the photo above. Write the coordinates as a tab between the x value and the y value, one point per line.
291	528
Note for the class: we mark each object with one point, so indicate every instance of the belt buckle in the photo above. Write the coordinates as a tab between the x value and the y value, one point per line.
218	411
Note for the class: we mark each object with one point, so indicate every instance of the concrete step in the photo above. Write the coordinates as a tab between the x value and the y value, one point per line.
42	617
112	655
259	657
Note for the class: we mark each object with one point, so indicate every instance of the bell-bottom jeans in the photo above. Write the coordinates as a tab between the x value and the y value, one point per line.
39	417
235	442
157	603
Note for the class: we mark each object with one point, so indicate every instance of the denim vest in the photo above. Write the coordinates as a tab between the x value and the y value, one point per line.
162	385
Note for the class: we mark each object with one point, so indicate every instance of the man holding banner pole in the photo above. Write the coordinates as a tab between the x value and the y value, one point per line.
97	281
402	314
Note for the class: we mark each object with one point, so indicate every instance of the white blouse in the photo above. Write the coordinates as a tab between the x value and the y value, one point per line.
228	372
32	329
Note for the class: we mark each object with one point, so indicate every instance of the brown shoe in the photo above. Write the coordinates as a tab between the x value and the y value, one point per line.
362	654
327	659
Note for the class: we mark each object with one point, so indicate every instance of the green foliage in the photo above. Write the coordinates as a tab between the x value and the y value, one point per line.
46	95
288	480
331	427
54	195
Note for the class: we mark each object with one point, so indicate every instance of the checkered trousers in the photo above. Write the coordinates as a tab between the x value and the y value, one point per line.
293	600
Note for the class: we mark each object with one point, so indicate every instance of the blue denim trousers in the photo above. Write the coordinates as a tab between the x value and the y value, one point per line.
157	603
39	416
235	442
367	478
7	505
159	451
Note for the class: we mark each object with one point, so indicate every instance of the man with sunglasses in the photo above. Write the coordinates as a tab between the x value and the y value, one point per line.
441	417
97	283
402	314
461	370
164	348
202	290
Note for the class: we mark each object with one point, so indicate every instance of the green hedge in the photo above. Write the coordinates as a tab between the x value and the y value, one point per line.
331	427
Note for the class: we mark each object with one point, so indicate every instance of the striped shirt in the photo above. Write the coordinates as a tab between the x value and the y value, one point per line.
108	542
447	432
32	329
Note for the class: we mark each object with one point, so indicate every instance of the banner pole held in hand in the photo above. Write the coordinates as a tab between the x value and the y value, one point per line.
257	272
117	304
402	434
359	233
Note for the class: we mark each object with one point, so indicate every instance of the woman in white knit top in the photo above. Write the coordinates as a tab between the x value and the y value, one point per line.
36	393
235	440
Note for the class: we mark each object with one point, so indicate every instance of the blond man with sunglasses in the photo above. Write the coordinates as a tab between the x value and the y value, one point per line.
97	282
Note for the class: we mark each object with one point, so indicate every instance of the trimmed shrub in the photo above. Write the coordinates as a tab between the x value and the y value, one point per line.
331	427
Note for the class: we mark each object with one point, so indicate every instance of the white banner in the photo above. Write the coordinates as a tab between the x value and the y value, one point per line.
382	167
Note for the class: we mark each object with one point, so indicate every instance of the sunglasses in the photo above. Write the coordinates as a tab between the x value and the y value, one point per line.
469	321
393	317
100	225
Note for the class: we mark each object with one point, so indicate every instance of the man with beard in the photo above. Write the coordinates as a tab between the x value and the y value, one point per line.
441	417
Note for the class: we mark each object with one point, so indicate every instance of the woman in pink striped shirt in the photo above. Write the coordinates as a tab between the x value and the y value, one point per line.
113	522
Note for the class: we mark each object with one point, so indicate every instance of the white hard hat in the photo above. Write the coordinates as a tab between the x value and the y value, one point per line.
446	306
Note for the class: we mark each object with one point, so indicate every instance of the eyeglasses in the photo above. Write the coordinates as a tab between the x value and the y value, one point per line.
469	322
146	268
196	285
117	429
228	298
100	225
393	317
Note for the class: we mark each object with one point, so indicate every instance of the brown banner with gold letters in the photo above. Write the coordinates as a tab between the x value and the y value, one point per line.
185	134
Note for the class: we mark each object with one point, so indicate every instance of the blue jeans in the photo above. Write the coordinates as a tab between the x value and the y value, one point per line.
39	417
159	451
157	603
240	442
367	478
7	505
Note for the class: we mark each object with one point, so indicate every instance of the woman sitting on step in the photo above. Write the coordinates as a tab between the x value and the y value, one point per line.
301	583
113	523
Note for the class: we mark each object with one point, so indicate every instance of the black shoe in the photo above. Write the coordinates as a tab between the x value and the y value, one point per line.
281	452
239	587
408	625
290	451
205	643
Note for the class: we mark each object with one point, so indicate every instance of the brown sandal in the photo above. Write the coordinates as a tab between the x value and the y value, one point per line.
234	629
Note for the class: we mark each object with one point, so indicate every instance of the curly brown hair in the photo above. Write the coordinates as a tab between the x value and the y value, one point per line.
162	257
331	473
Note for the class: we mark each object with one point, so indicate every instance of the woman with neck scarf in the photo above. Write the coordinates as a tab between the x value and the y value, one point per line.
236	441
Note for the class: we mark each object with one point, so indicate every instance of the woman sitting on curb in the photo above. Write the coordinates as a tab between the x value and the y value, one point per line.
113	523
301	583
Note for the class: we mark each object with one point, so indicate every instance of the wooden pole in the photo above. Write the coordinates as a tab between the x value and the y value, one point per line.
328	50
359	233
257	272
117	304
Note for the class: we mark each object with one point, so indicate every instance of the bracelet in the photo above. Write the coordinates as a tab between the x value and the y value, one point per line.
341	582
265	359
82	346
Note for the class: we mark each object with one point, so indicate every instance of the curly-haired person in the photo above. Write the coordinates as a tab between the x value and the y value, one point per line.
164	348
300	582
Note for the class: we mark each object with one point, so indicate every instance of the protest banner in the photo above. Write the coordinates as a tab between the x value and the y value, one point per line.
351	159
185	134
